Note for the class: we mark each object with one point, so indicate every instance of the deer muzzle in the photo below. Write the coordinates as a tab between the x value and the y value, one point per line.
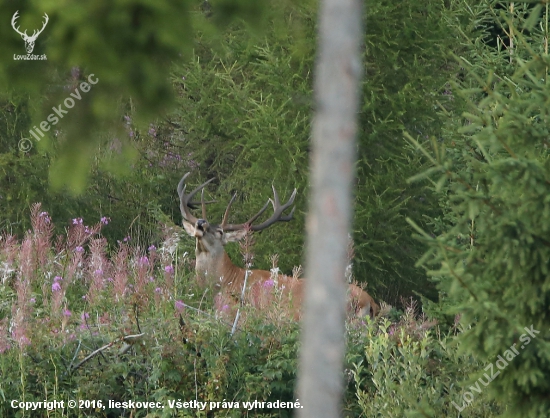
200	227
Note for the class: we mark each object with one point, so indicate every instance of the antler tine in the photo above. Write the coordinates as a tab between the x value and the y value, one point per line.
185	199
14	22
234	227
226	214
277	211
262	210
277	216
37	32
203	206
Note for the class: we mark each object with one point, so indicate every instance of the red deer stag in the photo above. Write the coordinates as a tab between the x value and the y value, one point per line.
214	267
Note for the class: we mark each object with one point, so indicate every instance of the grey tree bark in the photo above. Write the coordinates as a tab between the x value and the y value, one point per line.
337	90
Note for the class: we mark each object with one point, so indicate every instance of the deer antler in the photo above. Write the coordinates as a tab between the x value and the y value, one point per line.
35	33
185	199
13	23
277	216
38	32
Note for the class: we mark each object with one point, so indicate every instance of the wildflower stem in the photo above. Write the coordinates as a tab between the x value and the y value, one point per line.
234	327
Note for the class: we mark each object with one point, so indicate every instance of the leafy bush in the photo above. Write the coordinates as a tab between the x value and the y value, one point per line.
408	369
77	323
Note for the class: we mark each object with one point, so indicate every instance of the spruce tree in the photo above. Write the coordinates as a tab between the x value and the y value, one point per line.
491	255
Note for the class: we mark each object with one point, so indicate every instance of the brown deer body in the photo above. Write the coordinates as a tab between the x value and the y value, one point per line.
215	269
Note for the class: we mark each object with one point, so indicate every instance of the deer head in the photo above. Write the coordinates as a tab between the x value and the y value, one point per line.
29	40
211	238
213	265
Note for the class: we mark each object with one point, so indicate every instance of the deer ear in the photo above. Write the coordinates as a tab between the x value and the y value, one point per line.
189	228
233	236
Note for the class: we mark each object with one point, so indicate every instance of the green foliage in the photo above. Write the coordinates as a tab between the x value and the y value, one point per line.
491	255
270	137
95	37
406	369
243	118
127	46
78	324
24	181
406	68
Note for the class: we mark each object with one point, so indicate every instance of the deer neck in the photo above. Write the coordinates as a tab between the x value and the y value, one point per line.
217	269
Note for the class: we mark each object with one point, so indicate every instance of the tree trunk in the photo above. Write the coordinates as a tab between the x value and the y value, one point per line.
337	88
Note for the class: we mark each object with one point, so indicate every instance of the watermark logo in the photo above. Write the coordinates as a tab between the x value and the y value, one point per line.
501	364
29	40
25	144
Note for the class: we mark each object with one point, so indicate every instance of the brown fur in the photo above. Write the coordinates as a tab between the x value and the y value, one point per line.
215	268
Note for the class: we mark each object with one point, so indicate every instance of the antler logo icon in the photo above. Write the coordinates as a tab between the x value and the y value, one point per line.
29	40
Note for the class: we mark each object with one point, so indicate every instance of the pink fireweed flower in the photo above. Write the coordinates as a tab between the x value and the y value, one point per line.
152	248
110	279
179	305
169	269
98	272
22	340
57	278
151	279
144	261
67	313
158	290
33	300
79	249
268	283
46	217
84	316
77	221
104	220
126	239
225	307
56	287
